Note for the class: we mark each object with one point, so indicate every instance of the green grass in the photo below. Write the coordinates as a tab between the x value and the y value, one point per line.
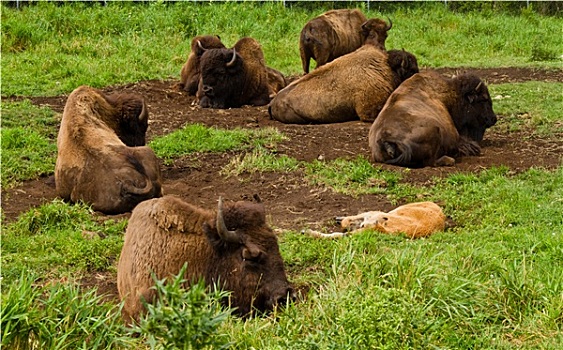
29	135
530	105
75	44
199	138
49	241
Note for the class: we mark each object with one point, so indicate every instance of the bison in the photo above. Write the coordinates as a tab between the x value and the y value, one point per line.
353	86
336	33
236	77
232	248
330	35
191	72
416	220
430	119
101	159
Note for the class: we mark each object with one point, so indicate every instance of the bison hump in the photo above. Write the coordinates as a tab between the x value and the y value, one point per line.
172	214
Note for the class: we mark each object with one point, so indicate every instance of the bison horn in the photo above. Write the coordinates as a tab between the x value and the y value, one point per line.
390	25
201	46
232	61
224	233
478	86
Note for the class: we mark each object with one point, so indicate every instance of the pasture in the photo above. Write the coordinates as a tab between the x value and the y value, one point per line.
492	280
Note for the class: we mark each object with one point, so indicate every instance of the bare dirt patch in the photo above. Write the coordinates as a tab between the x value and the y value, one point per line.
292	203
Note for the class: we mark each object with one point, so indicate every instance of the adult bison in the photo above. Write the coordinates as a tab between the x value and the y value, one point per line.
430	119
191	72
236	77
101	159
353	86
233	248
330	35
336	33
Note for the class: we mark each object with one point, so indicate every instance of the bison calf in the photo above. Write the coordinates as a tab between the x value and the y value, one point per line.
430	119
416	220
353	86
233	248
101	160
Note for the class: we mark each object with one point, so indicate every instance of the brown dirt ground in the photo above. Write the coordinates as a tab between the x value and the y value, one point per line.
290	202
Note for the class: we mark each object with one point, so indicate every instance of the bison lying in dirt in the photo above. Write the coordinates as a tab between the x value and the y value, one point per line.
353	86
232	247
191	71
236	77
330	35
101	158
416	220
429	119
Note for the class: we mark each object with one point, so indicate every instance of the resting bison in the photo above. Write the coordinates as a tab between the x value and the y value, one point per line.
415	220
98	160
330	35
236	77
232	247
191	72
351	87
429	119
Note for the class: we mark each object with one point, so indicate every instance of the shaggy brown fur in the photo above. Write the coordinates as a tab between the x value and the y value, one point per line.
191	71
94	162
330	35
165	233
236	77
416	220
430	119
352	86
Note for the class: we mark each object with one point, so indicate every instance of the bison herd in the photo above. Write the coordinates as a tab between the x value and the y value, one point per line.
418	119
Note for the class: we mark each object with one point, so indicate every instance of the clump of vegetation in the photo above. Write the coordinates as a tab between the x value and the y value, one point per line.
184	318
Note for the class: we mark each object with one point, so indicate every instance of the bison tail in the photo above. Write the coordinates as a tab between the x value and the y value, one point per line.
131	189
468	147
396	152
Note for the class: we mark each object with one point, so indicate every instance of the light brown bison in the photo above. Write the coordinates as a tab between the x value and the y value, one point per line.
331	35
416	220
191	72
353	86
233	248
236	77
430	119
101	158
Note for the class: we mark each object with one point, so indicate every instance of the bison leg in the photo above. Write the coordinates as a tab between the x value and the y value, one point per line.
445	161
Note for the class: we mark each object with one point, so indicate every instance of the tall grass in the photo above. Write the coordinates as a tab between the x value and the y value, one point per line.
86	43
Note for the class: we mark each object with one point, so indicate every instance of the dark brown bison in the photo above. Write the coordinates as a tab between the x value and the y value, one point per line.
233	248
431	119
331	35
236	77
191	72
101	158
353	86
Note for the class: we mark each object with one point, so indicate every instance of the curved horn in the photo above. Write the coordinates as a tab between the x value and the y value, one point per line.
224	233
478	86
390	25
232	61
201	46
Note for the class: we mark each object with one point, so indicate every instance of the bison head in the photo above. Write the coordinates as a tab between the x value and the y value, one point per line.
222	78
248	258
374	32
473	113
132	118
202	43
403	64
